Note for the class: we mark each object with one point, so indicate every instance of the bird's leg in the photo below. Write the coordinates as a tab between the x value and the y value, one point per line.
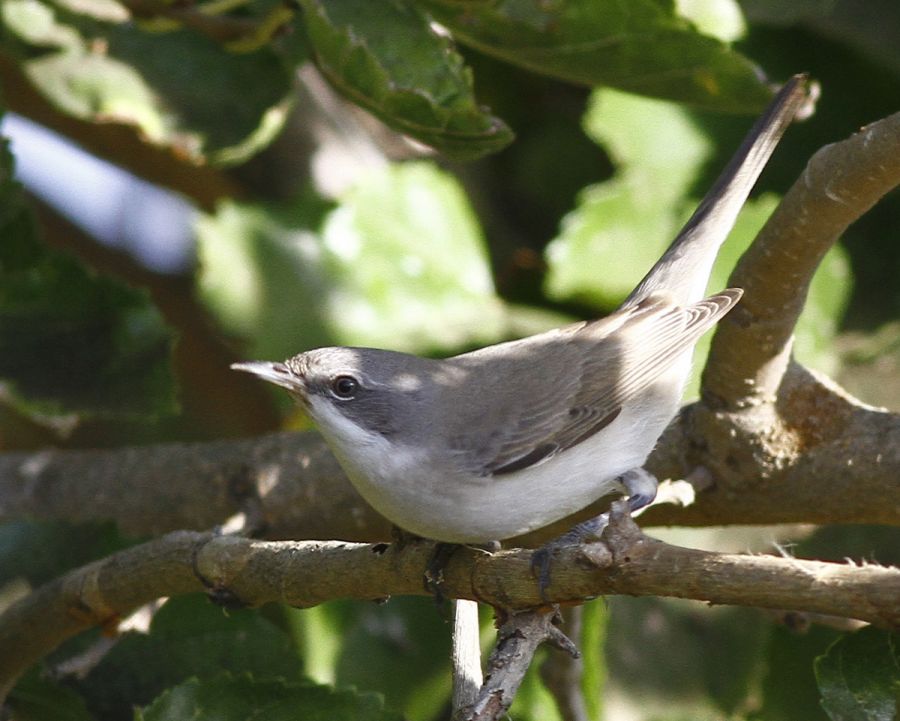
440	557
434	569
639	485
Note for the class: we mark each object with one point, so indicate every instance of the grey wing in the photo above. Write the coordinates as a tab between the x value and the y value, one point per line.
596	369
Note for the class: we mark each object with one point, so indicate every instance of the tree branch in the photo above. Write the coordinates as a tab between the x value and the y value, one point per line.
303	574
841	182
781	442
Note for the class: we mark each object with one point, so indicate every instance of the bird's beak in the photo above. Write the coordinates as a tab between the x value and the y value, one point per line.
277	373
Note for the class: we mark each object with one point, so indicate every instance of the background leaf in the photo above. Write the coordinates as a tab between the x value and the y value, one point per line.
626	223
189	637
226	698
36	698
859	676
642	46
116	71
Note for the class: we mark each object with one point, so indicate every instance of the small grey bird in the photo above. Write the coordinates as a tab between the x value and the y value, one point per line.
506	439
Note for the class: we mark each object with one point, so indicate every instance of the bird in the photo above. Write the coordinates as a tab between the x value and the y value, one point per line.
512	437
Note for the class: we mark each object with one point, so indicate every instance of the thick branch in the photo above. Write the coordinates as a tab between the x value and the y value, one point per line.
817	455
289	482
308	573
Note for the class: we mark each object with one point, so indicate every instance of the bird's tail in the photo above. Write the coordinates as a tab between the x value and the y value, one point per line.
683	270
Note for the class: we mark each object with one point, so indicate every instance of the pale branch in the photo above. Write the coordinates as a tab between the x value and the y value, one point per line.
289	483
465	656
841	182
236	570
816	455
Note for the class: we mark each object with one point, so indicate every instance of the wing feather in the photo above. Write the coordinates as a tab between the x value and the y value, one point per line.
572	395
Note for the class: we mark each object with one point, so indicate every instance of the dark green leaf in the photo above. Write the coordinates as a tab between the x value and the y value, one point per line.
789	687
211	103
189	636
859	677
71	341
38	551
681	660
228	698
872	27
400	649
384	55
642	46
36	698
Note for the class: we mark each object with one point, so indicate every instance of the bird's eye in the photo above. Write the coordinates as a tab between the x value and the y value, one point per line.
344	387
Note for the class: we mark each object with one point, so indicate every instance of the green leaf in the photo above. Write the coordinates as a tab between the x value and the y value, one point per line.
594	622
189	636
228	698
676	659
642	46
71	341
400	649
873	34
859	676
37	698
178	88
385	56
789	687
400	263
625	224
39	551
210	103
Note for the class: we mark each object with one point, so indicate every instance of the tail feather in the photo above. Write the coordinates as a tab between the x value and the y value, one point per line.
683	270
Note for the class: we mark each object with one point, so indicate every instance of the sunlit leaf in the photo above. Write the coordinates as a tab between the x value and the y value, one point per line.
399	263
178	88
621	227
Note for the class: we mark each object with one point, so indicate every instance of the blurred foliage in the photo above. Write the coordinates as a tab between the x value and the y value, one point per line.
858	676
335	229
71	340
400	262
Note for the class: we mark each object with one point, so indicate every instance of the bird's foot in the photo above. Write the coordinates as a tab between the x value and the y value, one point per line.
640	485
